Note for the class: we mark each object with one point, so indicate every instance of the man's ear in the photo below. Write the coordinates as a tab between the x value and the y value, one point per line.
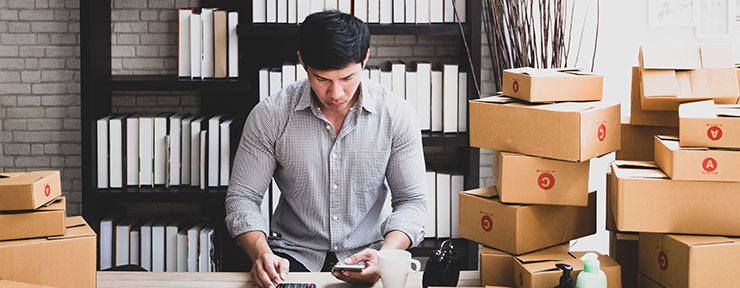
300	59
367	56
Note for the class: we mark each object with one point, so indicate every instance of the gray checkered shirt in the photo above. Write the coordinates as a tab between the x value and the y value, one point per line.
333	186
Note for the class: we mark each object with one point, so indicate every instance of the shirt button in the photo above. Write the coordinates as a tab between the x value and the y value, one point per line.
336	247
334	155
335	186
334	217
328	127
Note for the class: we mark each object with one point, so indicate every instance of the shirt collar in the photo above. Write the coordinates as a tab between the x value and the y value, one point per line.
367	101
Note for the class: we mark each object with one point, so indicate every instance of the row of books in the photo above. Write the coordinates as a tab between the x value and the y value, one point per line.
438	96
157	243
208	45
369	11
165	149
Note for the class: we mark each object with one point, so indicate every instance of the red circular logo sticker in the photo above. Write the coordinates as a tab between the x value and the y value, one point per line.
47	190
487	223
663	260
521	279
515	86
546	181
602	132
709	164
714	133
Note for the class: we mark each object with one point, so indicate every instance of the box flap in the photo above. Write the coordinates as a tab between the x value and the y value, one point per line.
667	138
717	56
698	240
76	228
485	192
699	109
638	169
496	99
544	256
569	106
22	178
669	57
672	143
732	111
627	236
490	251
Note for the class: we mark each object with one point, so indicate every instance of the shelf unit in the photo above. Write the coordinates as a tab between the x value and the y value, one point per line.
234	98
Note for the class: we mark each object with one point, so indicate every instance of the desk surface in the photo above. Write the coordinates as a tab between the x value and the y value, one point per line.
242	280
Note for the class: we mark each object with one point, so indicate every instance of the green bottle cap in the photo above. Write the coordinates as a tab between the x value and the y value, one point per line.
591	262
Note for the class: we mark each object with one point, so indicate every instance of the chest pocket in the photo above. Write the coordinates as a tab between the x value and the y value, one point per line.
367	169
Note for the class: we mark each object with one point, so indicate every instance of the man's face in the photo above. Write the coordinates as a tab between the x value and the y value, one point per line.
335	89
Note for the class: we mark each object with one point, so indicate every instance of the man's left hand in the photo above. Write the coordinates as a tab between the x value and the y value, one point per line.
367	275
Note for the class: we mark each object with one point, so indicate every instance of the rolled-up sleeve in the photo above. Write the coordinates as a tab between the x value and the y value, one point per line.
405	175
252	171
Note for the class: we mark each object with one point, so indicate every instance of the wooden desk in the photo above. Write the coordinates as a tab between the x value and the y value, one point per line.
242	280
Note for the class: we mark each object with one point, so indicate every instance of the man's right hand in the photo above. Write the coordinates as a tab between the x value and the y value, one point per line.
268	270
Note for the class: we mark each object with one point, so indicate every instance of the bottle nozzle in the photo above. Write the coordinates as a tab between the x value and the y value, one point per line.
565	281
591	262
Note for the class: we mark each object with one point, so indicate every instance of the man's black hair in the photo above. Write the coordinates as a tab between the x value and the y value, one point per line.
331	40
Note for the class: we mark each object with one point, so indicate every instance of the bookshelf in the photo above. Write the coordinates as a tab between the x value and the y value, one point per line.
234	98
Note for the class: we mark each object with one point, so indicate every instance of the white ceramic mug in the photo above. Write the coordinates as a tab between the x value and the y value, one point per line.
395	266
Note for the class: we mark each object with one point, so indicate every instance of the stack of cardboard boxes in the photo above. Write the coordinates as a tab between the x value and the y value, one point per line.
693	185
543	140
38	244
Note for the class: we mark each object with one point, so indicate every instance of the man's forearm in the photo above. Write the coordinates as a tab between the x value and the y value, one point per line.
254	244
396	240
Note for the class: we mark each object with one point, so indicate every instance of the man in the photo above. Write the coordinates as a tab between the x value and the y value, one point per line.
336	145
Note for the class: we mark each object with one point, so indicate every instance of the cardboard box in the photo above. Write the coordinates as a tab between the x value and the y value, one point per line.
637	141
704	124
534	180
671	75
566	131
537	270
644	199
623	249
690	261
14	284
638	116
28	190
552	85
645	282
696	163
496	267
59	261
519	229
45	221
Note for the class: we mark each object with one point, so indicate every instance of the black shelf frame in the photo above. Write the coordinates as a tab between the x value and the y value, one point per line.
235	98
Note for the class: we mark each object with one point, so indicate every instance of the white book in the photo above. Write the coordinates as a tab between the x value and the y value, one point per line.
422	11
185	153
345	6
457	185
410	11
430	218
259	11
436	101
225	152
106	241
146	150
264	82
331	4
411	95
386	79
424	95
168	158
272	11
193	237
158	244
462	105
196	45
374	73
170	239
303	9
175	147
275	196
276	80
195	128
233	44
132	150
373	11
282	11
300	72
449	98
135	245
203	159
117	144
443	205
289	74
317	6
449	12
182	250
160	148
102	137
461	10
386	11
205	250
213	148
398	72
399	11
183	42
436	11
206	66
123	230
146	244
293	11
365	74
265	209
361	10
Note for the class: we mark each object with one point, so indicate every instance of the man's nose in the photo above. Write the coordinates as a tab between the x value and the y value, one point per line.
336	91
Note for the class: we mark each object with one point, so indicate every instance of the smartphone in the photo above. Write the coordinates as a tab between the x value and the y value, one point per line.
357	267
296	285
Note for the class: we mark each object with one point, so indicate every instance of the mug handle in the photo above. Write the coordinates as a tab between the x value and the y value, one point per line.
416	263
